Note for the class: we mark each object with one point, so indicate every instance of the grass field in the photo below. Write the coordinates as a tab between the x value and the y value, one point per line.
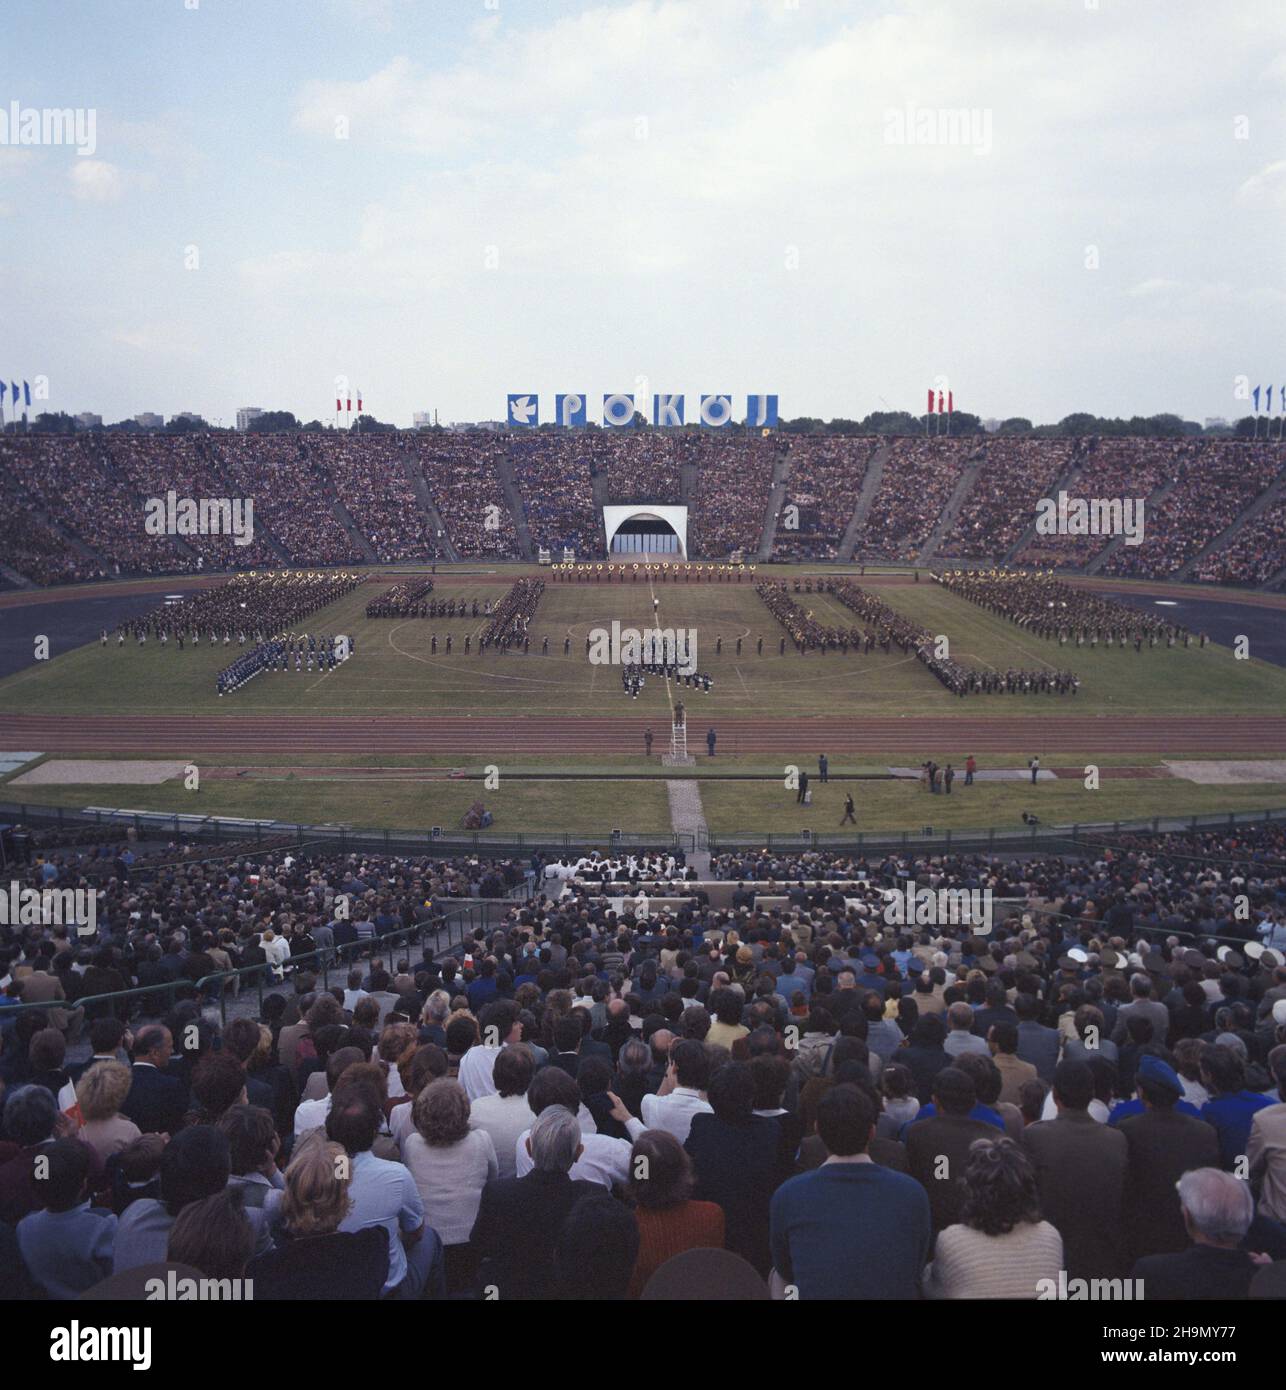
395	671
738	795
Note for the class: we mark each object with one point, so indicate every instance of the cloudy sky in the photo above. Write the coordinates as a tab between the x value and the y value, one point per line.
1055	204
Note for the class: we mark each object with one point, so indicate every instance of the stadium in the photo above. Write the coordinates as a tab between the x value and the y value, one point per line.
629	846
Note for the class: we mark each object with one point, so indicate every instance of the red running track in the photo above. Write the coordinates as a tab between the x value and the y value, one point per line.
180	735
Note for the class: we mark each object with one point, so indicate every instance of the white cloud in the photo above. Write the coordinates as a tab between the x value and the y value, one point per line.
1268	187
96	181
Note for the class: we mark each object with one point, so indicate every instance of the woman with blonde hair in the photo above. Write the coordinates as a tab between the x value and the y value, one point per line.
451	1164
100	1093
314	1259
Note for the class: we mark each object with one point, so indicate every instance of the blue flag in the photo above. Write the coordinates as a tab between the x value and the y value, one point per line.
1255	393
1	393
26	393
13	386
1268	401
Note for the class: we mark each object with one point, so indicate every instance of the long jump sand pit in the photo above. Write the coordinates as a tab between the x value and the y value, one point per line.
1226	772
59	772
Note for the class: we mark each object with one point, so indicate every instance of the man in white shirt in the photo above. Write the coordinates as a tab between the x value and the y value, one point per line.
681	1094
505	1115
383	1193
311	1114
277	950
500	1026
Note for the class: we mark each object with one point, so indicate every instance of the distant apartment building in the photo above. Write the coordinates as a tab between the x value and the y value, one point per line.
246	414
149	420
87	420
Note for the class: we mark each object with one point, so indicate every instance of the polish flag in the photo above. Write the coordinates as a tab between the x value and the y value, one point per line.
359	400
940	410
930	400
950	404
348	401
339	405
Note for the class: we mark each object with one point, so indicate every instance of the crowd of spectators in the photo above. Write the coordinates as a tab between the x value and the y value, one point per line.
824	483
1257	553
919	477
1015	474
75	483
557	490
187	465
463	478
1111	469
294	492
1220	478
587	1093
734	483
370	478
321	499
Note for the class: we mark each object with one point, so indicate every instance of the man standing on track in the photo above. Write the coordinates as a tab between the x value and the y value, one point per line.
710	738
823	768
647	743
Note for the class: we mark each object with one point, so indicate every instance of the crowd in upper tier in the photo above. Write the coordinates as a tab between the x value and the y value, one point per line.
75	507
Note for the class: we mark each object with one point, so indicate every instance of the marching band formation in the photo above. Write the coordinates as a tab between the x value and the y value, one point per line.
1041	604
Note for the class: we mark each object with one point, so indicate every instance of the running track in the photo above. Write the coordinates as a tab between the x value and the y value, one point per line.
183	735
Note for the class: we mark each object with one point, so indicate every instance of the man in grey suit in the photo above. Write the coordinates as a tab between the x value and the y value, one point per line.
1142	1005
1036	1043
1081	1170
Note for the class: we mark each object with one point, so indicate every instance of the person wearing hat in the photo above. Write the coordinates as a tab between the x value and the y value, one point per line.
1165	1138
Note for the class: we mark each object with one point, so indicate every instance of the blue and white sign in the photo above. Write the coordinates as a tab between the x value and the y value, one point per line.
716	412
524	411
618	411
569	409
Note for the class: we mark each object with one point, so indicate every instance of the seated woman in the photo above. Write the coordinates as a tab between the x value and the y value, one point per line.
100	1093
669	1221
1000	1248
451	1164
314	1259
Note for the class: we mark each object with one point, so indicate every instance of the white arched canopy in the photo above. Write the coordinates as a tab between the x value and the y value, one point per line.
614	517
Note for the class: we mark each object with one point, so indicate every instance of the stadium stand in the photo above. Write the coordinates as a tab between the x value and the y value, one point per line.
733	1046
1214	506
